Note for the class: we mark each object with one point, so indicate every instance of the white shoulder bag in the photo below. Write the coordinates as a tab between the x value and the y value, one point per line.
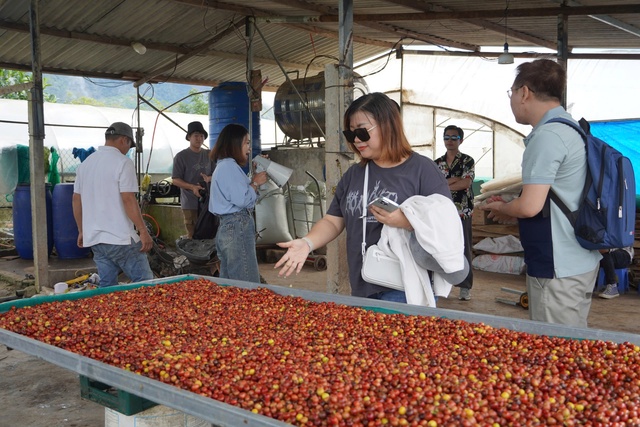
377	267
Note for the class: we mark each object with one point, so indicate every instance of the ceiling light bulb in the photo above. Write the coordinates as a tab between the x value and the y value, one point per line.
506	57
139	48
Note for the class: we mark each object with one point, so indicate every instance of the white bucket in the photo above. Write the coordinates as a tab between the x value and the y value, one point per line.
60	288
158	416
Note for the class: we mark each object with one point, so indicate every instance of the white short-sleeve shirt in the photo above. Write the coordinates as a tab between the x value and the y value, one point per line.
99	180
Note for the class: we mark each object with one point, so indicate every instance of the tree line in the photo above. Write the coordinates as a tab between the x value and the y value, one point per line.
194	103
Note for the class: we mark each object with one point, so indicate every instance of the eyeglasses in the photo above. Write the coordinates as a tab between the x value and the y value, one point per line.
361	133
451	137
510	91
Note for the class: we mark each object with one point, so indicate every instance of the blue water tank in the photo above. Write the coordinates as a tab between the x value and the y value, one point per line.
229	103
22	232
65	230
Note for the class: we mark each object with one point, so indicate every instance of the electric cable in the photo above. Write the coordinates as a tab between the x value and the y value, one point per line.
153	134
155	228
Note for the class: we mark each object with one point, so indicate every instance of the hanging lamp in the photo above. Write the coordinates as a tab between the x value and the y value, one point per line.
505	57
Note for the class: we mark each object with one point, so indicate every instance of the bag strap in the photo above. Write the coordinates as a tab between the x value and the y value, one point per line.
583	129
563	207
365	194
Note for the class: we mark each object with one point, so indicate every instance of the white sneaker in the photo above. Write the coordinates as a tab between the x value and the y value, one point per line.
465	294
610	292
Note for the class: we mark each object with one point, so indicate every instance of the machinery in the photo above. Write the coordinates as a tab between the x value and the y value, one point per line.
162	189
299	108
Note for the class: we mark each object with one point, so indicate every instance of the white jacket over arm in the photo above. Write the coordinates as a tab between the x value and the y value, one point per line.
438	229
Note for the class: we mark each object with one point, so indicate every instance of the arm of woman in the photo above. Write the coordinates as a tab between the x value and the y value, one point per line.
322	232
392	219
235	186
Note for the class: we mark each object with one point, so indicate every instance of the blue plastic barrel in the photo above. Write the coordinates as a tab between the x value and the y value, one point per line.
22	233
65	230
229	103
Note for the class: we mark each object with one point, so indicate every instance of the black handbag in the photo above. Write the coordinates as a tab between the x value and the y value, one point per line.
207	223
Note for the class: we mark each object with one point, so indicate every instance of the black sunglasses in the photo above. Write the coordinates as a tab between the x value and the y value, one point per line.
453	137
361	133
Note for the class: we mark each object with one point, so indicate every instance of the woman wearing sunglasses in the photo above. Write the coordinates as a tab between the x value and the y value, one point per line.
375	134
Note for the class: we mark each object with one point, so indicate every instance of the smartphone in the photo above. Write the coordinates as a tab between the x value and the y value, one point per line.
384	203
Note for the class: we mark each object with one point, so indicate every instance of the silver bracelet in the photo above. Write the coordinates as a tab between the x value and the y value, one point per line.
306	239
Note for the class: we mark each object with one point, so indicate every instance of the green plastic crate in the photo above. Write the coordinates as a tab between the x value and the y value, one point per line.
118	400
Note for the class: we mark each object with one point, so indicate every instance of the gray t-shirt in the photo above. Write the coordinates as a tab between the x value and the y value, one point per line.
418	175
188	165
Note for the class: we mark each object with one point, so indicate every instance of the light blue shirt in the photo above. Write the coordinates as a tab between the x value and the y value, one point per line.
230	189
555	155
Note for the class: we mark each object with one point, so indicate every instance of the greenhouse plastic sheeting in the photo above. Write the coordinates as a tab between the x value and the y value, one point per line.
8	169
624	136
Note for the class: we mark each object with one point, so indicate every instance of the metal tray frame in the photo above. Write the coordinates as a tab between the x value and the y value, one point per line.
222	414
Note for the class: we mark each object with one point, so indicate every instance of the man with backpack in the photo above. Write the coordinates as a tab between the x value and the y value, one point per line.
560	272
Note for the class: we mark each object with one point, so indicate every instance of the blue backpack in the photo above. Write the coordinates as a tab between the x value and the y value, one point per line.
605	218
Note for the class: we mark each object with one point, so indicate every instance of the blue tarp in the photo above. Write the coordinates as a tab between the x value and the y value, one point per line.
624	136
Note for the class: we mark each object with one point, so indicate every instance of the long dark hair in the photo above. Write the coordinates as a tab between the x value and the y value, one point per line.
386	112
229	144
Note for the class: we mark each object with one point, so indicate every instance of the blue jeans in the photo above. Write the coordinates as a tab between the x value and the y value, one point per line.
111	259
236	246
391	295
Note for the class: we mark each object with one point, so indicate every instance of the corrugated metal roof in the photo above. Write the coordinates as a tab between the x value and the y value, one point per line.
190	42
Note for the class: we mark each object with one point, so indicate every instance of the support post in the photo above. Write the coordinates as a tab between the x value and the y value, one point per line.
563	49
138	149
338	96
36	158
250	32
336	164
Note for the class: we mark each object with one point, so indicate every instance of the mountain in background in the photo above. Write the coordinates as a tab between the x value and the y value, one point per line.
114	93
120	94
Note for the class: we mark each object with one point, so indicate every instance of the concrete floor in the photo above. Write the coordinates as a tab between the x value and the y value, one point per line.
17	270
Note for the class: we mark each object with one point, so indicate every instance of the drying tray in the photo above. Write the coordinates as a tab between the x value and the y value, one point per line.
225	415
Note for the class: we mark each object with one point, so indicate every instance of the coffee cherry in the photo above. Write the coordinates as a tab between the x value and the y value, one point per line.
326	364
